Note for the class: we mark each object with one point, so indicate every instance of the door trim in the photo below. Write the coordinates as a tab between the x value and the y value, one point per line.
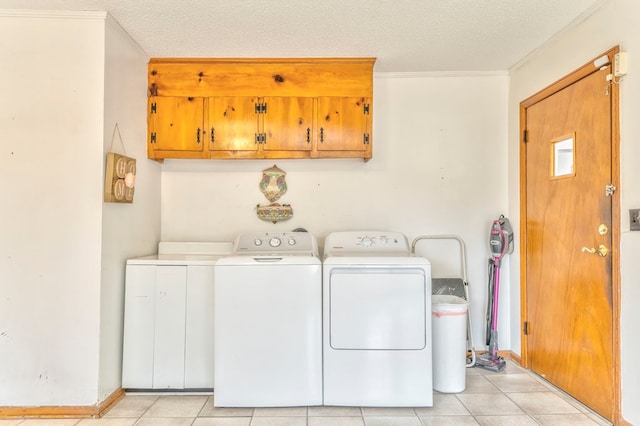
564	82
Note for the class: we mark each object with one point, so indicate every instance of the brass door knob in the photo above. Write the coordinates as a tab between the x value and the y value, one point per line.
602	250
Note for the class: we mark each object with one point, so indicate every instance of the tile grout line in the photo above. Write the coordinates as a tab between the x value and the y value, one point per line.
548	388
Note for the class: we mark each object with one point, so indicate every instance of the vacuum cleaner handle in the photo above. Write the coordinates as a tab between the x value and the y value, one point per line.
501	239
497	242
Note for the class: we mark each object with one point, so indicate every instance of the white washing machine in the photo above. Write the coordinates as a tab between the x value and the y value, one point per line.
268	322
376	321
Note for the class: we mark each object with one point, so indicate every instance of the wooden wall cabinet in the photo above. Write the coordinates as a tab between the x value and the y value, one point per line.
259	127
260	108
344	124
176	127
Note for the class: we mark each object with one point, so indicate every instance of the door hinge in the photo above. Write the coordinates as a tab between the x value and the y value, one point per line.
365	139
154	108
609	190
261	108
366	108
525	328
153	137
261	138
525	136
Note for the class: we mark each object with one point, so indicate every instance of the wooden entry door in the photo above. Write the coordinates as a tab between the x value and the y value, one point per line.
569	239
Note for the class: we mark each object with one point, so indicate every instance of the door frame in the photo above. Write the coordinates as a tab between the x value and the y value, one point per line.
564	82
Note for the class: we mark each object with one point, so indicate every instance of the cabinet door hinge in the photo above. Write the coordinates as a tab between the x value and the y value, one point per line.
366	108
261	108
525	328
261	138
525	136
154	108
153	137
365	139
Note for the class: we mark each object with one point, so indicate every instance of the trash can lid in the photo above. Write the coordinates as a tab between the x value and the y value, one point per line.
441	302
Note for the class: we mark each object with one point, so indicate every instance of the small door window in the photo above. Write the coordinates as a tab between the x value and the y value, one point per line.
563	156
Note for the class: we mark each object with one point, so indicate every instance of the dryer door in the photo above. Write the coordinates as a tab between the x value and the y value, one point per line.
378	308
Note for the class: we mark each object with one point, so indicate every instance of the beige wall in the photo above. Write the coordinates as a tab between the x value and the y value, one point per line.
128	230
61	249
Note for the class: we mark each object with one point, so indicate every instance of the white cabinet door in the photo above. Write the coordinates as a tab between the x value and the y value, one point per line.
168	354
168	327
199	350
139	326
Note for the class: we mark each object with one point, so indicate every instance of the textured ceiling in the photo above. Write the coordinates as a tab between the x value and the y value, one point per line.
405	35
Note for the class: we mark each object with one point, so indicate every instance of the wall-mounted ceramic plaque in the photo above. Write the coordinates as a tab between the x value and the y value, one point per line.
274	212
272	184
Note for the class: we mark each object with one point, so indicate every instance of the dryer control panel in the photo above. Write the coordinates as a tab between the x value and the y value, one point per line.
369	242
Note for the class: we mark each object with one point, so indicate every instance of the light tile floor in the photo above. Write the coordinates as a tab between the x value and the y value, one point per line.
514	397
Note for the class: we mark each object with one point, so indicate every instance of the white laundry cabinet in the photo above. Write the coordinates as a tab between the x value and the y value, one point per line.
168	327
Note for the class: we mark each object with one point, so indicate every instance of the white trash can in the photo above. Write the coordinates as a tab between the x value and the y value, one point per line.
449	328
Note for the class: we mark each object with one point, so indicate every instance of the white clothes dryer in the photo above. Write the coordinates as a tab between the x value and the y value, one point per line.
376	322
268	322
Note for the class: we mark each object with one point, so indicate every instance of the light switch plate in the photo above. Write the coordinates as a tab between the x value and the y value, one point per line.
634	219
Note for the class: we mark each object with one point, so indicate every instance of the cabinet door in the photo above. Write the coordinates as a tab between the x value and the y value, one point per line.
139	327
199	363
288	123
168	354
233	123
342	124
177	123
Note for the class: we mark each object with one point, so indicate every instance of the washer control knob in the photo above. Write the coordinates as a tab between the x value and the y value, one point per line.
384	240
292	241
258	242
367	242
275	242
